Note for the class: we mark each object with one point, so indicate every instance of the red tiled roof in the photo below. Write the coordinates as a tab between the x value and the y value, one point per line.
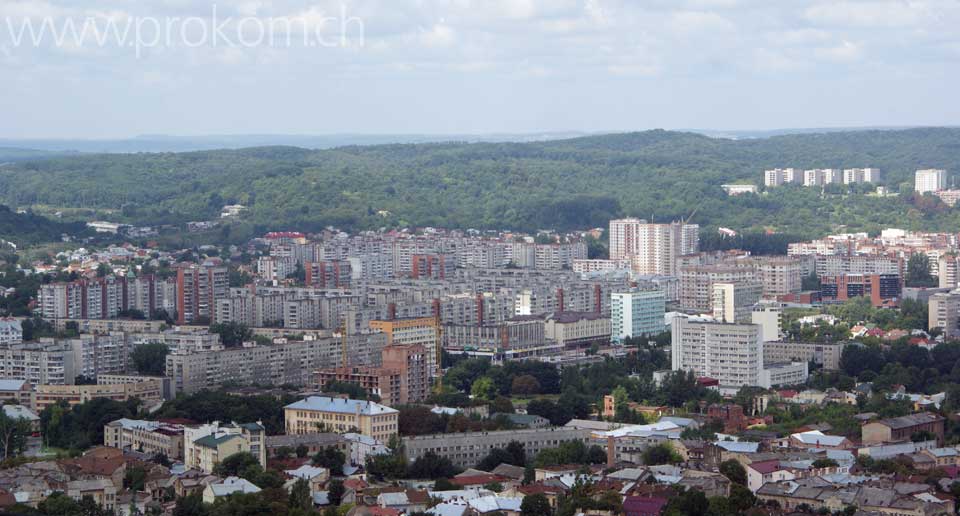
355	484
643	506
767	466
531	489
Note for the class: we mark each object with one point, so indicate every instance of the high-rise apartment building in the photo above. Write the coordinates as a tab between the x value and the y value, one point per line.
400	380
636	313
328	274
821	176
930	180
730	353
944	312
424	331
734	302
782	176
696	284
948	270
652	248
198	289
861	175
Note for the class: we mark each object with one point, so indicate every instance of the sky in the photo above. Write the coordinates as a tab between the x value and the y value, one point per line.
195	67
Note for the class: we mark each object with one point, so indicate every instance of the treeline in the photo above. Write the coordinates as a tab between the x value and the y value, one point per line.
522	186
206	406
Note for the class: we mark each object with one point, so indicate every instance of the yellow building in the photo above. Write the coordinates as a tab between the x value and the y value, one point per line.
323	414
207	445
148	391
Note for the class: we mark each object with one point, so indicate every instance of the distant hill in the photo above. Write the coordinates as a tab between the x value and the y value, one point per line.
168	143
571	183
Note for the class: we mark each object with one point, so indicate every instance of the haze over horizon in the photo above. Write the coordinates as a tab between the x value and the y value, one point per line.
467	67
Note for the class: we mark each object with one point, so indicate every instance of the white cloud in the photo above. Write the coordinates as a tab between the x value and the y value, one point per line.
871	14
845	51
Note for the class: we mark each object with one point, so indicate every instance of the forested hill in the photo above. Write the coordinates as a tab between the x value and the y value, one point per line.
25	229
574	183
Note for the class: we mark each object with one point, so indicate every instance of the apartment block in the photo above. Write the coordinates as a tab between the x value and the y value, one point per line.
432	266
929	181
518	338
821	176
943	311
400	380
39	363
558	256
328	274
95	298
835	265
826	355
423	331
577	331
320	413
783	373
467	449
696	284
948	270
636	313
205	446
782	176
881	289
652	248
11	332
730	353
281	363
779	276
198	289
149	392
150	437
734	302
861	175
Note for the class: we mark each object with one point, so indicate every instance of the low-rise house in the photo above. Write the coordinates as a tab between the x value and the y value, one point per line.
316	477
408	500
496	504
101	490
226	487
944	456
19	392
193	481
817	439
761	473
903	429
361	446
644	506
20	412
875	498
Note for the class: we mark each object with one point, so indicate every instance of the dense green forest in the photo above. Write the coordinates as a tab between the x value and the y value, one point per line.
27	228
563	184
